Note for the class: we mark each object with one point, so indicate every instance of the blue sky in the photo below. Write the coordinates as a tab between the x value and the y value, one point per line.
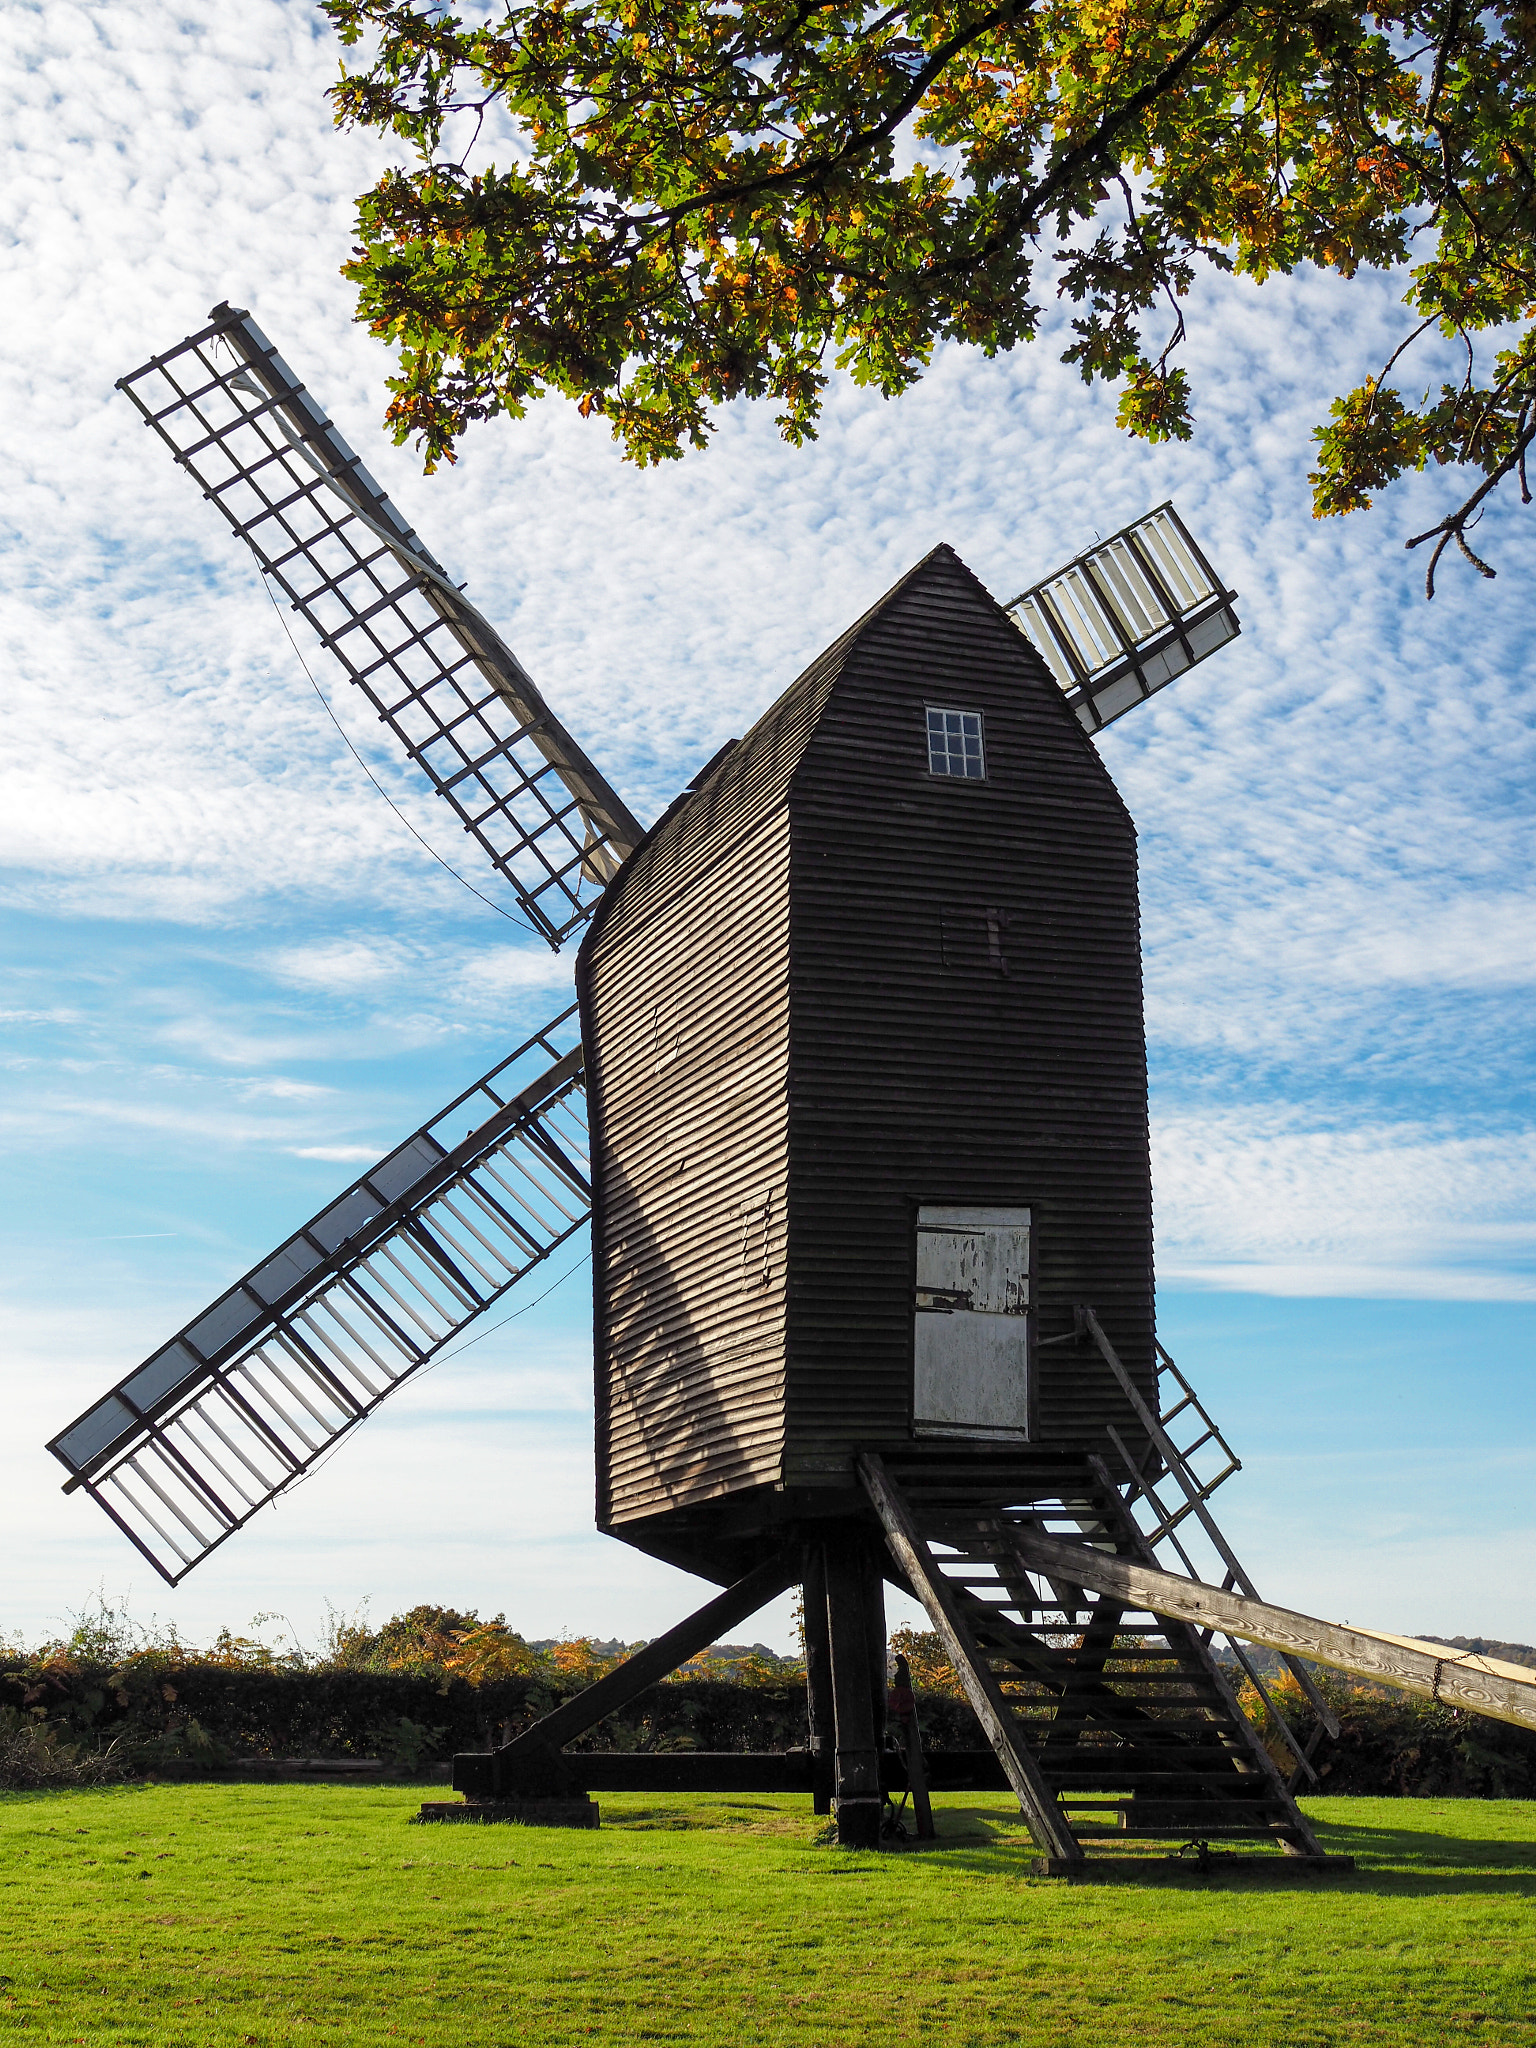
231	974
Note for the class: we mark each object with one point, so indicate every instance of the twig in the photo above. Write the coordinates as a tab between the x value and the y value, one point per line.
1454	525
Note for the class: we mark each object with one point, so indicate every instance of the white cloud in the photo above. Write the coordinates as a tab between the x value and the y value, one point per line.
1255	1200
230	958
343	965
361	1154
355	966
50	1113
219	1039
502	971
280	1089
1333	1279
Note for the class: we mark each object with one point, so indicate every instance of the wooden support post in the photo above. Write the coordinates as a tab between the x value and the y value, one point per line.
876	1637
1036	1801
858	1800
820	1713
531	1761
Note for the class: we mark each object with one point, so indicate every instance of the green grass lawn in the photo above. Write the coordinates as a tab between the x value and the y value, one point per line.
313	1913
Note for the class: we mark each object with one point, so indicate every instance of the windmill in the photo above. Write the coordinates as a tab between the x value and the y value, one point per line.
859	1025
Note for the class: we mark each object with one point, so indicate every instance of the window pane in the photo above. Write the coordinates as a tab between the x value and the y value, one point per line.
955	743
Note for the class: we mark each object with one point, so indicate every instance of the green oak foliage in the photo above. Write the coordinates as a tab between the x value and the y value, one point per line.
703	199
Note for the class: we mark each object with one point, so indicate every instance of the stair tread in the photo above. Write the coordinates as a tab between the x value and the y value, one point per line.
1146	1717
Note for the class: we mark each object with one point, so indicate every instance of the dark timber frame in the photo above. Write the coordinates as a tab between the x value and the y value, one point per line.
829	988
844	1769
1099	1697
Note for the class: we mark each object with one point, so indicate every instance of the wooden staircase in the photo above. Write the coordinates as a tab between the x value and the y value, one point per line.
1109	1722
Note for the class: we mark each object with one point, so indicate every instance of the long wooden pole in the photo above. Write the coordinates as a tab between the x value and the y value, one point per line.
1456	1678
820	1714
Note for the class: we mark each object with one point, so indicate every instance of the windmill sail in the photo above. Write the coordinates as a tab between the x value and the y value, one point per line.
242	425
1127	616
185	1450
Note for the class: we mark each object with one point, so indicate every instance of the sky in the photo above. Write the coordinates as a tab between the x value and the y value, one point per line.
232	977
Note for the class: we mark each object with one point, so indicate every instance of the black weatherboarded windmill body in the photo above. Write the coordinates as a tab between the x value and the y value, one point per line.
861	1038
862	1020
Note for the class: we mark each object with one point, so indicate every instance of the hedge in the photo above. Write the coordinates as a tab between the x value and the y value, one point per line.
155	1710
164	1711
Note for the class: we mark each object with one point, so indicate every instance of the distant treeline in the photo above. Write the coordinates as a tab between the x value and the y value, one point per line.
112	1700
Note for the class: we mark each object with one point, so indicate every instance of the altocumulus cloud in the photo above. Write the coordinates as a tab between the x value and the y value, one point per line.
1331	813
235	970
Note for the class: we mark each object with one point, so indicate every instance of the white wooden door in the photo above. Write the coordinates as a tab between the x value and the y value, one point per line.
971	1327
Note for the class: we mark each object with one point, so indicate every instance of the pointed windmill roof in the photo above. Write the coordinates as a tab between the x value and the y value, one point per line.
751	780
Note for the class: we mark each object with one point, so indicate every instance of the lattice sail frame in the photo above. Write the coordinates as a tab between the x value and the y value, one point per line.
1127	616
436	672
186	1449
191	1444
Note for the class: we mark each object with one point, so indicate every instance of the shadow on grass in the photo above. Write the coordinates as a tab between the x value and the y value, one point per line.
1495	1857
1412	1853
704	1813
1388	1860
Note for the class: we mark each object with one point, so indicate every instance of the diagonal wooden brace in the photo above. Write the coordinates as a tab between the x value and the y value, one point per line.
1297	1838
1041	1812
532	1758
1505	1692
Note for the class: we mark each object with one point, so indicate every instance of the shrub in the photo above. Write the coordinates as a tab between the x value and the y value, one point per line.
1391	1742
34	1755
928	1662
405	1745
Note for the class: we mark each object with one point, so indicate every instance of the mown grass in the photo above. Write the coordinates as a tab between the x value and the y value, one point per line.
245	1914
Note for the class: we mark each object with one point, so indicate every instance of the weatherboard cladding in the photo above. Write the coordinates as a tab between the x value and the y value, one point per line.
687	1052
920	1070
889	988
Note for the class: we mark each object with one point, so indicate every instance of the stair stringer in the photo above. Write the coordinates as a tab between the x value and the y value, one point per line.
1099	1713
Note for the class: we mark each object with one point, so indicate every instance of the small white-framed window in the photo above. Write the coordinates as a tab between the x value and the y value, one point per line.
955	743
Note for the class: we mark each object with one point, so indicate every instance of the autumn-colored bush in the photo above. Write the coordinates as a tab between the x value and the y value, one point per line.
1397	1743
432	1640
410	1692
928	1662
